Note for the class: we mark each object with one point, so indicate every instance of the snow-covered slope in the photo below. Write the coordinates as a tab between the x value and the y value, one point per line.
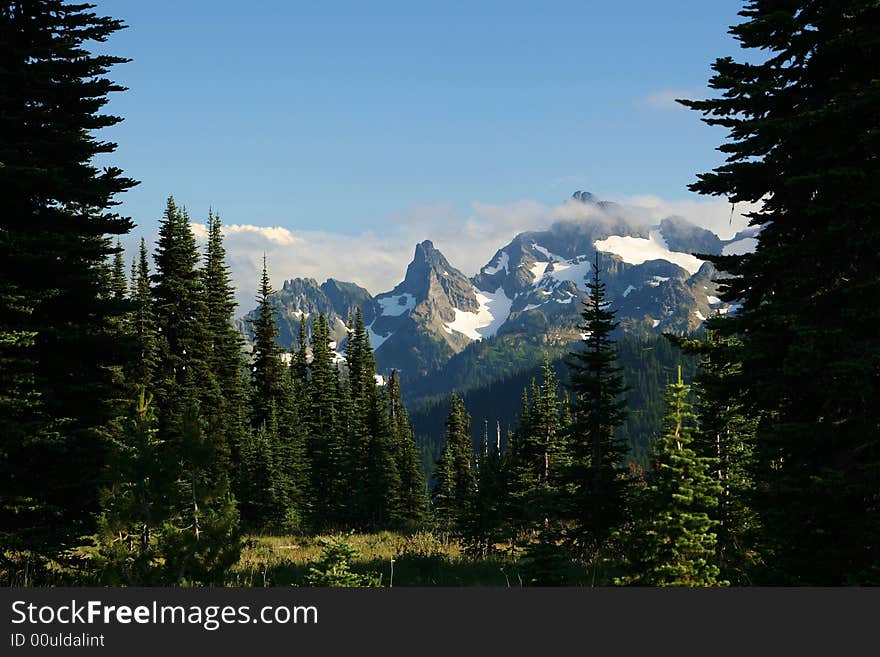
533	286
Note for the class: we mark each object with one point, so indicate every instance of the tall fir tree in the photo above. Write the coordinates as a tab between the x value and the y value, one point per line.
381	494
412	495
133	505
725	434
327	419
268	373
200	533
57	341
538	457
454	482
485	522
672	542
538	465
596	479
143	367
228	395
180	314
803	123
118	284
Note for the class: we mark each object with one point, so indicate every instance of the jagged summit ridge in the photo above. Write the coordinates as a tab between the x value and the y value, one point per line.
534	287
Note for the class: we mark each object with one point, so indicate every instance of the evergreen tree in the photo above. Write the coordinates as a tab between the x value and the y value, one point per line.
411	494
381	492
228	397
143	324
538	456
725	435
200	535
299	372
802	120
484	522
57	341
268	370
258	477
327	419
671	542
595	478
453	473
118	284
180	315
133	502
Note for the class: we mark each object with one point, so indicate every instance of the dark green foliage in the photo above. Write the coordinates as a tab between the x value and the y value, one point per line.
228	395
648	364
453	474
199	533
180	310
133	503
595	480
327	418
412	494
381	489
268	371
539	464
59	350
257	479
537	457
672	542
200	540
273	463
143	324
803	138
485	523
726	436
118	284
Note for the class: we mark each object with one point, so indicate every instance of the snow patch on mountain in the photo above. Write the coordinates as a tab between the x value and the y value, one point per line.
570	270
503	263
494	311
740	247
629	288
397	305
377	340
537	269
636	250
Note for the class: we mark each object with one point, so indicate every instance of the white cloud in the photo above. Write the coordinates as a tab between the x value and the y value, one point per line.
251	233
378	260
715	214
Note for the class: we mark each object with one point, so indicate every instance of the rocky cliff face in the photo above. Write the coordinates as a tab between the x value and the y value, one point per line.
534	286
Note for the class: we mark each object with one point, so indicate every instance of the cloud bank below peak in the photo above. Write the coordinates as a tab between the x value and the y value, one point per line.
377	260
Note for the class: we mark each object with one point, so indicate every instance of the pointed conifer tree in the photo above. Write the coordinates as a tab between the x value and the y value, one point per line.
726	436
411	495
224	355
142	370
454	481
595	478
801	111
57	342
672	540
268	373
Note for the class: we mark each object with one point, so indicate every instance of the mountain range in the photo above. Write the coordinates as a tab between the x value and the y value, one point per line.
531	290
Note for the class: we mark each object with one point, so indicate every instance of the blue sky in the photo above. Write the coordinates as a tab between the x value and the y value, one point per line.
354	117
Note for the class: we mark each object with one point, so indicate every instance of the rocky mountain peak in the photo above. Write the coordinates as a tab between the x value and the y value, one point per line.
584	197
